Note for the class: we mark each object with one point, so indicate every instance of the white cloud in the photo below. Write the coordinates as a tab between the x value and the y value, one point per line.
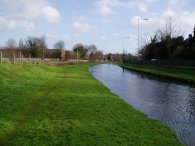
142	7
4	24
152	1
83	27
184	20
103	38
176	2
50	14
106	7
27	25
168	14
11	24
23	13
105	10
38	9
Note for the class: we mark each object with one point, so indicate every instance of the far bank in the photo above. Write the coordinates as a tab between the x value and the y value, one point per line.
170	73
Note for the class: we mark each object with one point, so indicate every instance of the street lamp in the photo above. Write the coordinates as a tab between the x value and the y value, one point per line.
138	33
126	37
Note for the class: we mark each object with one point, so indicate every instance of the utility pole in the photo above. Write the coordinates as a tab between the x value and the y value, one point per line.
138	37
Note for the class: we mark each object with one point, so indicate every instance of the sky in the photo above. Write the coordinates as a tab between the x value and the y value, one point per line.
106	23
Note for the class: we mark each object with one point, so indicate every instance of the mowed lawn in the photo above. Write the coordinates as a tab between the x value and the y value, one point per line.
66	106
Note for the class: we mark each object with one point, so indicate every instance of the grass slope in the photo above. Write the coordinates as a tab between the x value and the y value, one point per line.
41	106
181	75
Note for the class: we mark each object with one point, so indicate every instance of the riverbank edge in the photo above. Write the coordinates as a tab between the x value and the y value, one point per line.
139	112
158	74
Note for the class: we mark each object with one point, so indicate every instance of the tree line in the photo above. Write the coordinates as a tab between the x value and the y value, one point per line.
169	44
36	47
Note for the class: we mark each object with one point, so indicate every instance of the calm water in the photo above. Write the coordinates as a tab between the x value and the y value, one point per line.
170	103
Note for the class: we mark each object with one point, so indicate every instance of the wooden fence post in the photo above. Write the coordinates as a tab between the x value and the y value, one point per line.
14	61
43	55
20	57
1	57
29	57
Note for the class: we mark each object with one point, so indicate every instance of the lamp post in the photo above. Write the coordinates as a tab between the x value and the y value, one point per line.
138	34
124	46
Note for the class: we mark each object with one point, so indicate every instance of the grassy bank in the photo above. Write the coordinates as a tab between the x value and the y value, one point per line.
175	74
41	106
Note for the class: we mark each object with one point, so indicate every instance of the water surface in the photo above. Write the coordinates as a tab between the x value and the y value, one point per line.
170	103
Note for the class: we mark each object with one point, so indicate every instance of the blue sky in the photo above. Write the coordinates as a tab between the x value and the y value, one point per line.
101	22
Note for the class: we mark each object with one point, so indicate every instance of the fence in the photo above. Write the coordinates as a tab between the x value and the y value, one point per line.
41	55
188	63
24	55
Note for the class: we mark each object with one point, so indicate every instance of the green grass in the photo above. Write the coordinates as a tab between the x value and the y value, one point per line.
42	105
176	74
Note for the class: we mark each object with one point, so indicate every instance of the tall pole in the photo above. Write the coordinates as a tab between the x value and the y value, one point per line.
170	29
138	37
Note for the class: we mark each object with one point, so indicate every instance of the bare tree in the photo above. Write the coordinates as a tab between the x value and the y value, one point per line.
11	43
170	29
92	49
60	45
98	55
42	43
164	43
21	44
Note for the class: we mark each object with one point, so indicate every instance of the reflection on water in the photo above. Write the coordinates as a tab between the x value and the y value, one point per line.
170	103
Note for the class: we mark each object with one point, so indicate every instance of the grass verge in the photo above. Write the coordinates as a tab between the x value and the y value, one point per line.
175	74
42	105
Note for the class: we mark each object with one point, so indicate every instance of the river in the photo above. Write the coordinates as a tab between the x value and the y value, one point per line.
170	103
